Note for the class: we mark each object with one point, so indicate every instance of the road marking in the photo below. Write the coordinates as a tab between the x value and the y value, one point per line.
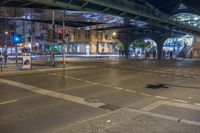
152	106
190	122
154	114
95	83
160	97
7	102
197	104
54	94
178	100
145	94
118	88
196	77
72	78
131	91
90	82
181	105
79	79
106	86
165	117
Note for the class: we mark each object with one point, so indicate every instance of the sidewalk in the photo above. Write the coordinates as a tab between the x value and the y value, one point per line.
128	121
39	66
13	67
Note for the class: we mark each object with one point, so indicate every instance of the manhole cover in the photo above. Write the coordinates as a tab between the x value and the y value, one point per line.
92	100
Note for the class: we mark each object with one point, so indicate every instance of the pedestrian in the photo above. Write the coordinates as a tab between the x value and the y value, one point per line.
191	54
1	61
154	54
171	54
5	57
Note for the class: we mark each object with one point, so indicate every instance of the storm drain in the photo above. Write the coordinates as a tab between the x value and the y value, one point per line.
106	106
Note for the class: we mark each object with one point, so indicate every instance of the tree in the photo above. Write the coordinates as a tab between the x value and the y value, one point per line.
140	43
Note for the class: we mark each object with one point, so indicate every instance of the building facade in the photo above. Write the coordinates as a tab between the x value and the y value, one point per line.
37	38
196	49
92	42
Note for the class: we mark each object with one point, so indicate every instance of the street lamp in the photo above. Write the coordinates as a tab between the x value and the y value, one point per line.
6	32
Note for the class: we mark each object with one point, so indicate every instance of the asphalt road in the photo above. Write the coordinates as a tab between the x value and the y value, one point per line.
103	96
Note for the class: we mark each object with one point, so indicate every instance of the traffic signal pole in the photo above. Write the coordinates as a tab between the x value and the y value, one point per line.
63	45
53	38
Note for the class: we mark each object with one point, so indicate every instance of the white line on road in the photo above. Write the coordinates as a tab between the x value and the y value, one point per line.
181	105
165	117
7	102
160	97
89	82
79	79
107	86
152	106
118	88
131	91
197	104
54	94
145	94
181	101
196	77
95	83
72	78
190	122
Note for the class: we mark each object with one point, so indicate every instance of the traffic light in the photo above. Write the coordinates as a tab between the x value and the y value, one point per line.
49	35
17	38
60	35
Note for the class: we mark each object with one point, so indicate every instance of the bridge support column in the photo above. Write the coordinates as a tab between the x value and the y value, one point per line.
159	50
160	41
126	49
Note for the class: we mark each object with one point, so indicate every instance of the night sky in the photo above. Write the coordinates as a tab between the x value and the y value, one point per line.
168	5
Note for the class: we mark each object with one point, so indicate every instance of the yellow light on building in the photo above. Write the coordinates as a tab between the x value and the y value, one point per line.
114	33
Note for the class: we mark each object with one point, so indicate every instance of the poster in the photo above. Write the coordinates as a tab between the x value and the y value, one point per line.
26	62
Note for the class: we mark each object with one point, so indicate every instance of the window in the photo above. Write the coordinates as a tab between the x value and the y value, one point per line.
87	34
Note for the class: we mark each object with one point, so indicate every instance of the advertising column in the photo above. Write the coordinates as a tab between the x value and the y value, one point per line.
26	62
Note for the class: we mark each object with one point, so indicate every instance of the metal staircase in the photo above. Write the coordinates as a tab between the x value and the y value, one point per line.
185	52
